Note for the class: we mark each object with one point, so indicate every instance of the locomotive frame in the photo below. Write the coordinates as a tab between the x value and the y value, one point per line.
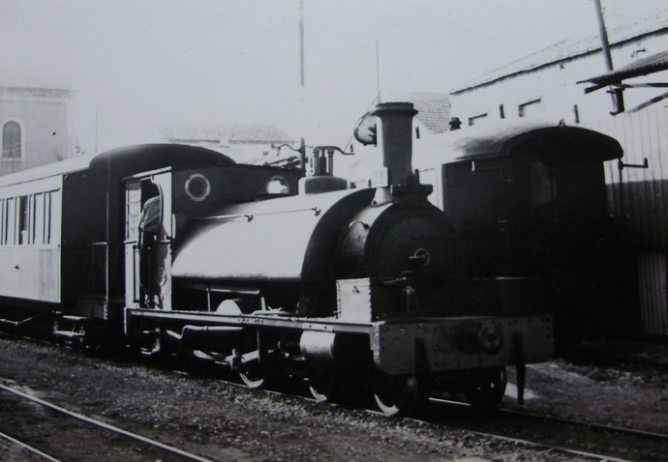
362	288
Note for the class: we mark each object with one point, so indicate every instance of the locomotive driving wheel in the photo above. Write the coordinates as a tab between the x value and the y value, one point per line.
487	387
398	394
251	372
324	384
253	376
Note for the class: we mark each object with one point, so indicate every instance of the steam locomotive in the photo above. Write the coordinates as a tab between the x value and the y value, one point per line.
179	251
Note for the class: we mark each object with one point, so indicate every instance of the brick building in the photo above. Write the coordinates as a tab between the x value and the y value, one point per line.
34	126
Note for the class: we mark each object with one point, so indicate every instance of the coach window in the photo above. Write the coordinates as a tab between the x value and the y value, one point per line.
23	216
10	221
11	140
3	204
53	217
37	228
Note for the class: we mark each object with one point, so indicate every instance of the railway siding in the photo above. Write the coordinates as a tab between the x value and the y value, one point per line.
221	421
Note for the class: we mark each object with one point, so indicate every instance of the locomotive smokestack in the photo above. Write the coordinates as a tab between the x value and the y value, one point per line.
395	138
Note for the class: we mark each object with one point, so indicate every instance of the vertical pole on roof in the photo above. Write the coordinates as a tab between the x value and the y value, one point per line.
97	123
107	253
617	95
301	40
378	70
604	35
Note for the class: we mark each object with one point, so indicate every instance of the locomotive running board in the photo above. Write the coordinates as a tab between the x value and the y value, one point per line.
251	320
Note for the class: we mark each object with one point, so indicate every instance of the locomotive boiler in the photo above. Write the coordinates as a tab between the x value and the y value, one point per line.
294	250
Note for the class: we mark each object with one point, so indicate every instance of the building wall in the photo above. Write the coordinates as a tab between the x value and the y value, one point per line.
639	196
43	117
240	151
250	151
552	92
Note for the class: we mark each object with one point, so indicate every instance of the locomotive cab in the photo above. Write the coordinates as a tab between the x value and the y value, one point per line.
162	209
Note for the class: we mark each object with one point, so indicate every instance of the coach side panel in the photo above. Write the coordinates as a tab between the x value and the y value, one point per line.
30	240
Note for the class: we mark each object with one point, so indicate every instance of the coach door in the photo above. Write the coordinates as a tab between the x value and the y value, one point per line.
148	233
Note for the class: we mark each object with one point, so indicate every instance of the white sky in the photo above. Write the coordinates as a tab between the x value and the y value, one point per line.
143	62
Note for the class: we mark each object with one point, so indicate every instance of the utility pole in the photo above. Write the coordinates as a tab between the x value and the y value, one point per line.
378	70
301	39
617	93
97	123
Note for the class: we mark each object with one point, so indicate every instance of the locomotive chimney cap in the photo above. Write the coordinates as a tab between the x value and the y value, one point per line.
394	107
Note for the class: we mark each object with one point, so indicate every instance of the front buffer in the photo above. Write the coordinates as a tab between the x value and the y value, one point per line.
464	354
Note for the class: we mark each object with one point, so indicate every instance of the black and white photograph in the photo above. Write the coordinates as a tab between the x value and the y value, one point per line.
333	231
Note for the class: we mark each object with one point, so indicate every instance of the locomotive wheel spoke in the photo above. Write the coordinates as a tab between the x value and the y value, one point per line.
487	387
397	394
253	374
324	384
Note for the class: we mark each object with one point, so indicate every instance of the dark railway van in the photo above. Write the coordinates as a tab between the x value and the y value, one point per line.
529	201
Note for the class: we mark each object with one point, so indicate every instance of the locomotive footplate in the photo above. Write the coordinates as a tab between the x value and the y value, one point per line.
425	345
461	343
268	319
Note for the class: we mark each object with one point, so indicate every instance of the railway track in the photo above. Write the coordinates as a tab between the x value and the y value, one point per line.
589	439
8	444
584	440
555	435
607	428
156	448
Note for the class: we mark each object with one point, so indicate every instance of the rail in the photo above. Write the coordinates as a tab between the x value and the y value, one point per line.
28	447
107	426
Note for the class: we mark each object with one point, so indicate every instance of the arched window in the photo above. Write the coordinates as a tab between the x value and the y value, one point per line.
11	140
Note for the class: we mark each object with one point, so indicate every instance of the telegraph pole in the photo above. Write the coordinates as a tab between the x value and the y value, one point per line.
301	40
378	70
617	95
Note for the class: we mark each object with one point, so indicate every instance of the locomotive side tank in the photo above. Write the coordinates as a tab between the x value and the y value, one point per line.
294	250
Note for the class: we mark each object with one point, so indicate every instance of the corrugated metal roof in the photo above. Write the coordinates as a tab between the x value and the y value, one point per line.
570	48
36	92
433	108
193	132
649	65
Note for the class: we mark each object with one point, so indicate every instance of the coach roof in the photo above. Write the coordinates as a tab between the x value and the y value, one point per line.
511	138
125	161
